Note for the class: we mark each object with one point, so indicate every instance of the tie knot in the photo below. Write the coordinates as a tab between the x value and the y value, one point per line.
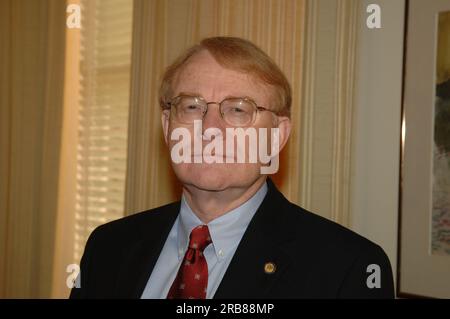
199	238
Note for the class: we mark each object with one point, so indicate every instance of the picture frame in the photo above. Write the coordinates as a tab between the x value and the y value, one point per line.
424	221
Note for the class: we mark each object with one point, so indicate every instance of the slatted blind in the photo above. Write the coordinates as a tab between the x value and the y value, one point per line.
102	135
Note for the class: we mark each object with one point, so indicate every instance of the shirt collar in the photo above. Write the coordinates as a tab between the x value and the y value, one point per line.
226	231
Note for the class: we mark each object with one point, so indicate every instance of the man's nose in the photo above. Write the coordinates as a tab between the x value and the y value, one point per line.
213	118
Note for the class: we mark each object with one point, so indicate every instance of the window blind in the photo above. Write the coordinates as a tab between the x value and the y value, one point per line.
106	34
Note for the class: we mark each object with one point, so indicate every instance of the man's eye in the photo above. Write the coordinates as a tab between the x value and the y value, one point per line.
237	110
192	107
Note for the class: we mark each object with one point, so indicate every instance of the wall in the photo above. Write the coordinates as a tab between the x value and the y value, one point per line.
377	124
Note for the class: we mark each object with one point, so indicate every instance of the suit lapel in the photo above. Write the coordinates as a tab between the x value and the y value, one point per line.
262	255
140	259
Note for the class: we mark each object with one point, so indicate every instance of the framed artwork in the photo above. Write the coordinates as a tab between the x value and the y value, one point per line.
424	232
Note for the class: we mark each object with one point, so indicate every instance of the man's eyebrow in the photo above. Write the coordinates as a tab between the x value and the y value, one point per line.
229	96
241	97
235	96
190	94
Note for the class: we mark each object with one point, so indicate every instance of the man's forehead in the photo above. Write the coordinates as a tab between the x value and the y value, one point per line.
203	73
203	66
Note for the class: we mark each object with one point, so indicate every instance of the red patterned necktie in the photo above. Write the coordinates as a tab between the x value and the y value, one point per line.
192	278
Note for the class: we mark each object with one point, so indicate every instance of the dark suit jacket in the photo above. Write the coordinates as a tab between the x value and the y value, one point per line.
314	257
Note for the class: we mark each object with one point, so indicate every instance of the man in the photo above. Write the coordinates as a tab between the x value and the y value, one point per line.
233	234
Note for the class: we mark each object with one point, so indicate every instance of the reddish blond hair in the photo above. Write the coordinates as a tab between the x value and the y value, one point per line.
239	55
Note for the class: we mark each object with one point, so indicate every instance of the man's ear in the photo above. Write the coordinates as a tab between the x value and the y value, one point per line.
284	126
165	121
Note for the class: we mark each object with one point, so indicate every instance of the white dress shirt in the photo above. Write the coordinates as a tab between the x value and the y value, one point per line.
226	232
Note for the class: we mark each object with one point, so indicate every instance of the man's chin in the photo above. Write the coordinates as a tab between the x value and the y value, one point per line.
216	177
207	183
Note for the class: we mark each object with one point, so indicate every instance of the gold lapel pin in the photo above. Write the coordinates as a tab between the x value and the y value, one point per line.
270	268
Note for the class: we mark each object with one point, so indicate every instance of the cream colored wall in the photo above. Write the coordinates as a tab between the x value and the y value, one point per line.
350	130
377	118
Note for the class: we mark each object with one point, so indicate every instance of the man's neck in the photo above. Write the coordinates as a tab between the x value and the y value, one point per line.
209	205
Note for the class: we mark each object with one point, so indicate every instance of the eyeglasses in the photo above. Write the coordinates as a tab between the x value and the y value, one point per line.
235	111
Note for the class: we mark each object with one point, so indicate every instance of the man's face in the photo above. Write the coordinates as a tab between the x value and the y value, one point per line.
203	76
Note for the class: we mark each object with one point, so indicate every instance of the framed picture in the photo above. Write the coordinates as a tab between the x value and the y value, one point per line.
424	232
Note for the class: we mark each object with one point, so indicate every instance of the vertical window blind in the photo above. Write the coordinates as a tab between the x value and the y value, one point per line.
106	34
